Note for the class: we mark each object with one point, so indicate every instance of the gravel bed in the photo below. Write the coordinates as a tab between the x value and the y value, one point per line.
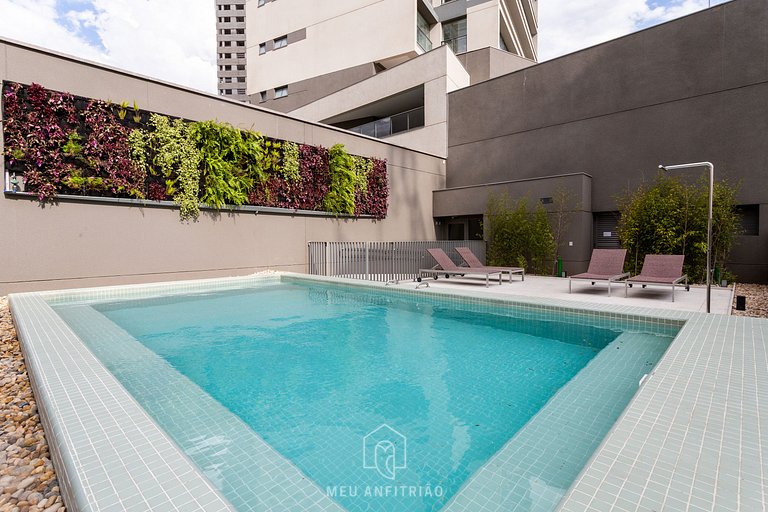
27	478
757	300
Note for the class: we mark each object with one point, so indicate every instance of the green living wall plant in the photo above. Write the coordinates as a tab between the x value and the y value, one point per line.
519	236
62	144
168	150
669	216
341	196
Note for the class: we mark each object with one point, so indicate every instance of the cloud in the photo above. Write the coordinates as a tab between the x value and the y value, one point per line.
172	40
569	25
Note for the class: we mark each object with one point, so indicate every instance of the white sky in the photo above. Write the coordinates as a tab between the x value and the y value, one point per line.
175	40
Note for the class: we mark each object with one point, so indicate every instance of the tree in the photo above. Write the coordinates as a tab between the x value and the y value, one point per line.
670	217
518	237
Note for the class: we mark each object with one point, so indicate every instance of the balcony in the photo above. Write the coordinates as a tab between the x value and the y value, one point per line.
423	40
458	44
397	123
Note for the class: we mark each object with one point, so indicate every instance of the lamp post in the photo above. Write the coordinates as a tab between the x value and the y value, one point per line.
711	168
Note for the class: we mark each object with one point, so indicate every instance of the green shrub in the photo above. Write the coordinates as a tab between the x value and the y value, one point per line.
230	162
290	165
341	195
670	217
518	237
169	151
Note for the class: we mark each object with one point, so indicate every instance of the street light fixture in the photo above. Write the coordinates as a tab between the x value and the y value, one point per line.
711	168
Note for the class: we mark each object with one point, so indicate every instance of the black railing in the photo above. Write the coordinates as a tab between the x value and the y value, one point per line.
397	123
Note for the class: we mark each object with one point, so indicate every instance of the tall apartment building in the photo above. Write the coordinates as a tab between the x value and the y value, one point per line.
378	67
294	41
231	49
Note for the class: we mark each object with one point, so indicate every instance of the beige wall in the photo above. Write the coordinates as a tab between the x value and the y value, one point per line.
339	36
73	244
439	71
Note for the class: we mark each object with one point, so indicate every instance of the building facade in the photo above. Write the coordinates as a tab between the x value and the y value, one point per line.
332	40
231	49
599	122
382	68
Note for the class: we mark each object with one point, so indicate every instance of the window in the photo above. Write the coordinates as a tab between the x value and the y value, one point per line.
226	19
281	42
750	219
455	35
239	6
225	7
227	91
422	33
239	43
502	44
227	55
227	79
239	31
281	92
241	67
225	43
240	55
228	67
241	79
262	48
263	95
261	3
241	91
240	19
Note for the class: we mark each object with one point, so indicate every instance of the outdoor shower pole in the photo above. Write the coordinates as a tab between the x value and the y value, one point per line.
711	168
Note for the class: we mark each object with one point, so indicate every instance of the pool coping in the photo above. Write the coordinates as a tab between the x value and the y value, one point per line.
65	377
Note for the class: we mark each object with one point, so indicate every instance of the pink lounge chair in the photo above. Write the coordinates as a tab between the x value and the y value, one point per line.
662	270
473	261
448	268
604	265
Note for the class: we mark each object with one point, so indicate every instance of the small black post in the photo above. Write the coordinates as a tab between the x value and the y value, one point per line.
741	303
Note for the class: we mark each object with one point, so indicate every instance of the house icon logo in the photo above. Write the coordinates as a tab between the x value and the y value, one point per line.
384	449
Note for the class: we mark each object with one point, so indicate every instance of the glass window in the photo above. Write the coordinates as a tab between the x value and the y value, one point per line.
263	95
455	35
261	2
281	92
241	91
502	44
422	33
281	42
262	48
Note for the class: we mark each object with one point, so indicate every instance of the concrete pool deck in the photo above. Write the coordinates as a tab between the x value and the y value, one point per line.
693	438
655	297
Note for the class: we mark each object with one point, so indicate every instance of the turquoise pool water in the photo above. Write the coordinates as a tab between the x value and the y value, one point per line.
385	402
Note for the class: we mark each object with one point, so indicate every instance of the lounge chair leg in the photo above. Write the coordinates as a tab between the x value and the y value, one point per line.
673	292
609	287
625	289
569	285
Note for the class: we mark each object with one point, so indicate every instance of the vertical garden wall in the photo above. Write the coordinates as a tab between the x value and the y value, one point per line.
56	143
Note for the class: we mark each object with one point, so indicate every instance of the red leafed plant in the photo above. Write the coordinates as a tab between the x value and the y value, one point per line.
37	125
107	154
374	201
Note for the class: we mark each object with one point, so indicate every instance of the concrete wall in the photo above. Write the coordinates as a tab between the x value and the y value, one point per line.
690	90
575	245
338	36
439	71
73	244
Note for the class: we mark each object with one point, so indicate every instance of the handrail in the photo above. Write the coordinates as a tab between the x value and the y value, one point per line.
401	122
382	261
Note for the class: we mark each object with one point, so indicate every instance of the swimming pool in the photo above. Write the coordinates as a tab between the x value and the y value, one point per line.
380	400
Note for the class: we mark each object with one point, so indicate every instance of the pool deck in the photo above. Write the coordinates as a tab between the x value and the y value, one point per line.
654	297
694	437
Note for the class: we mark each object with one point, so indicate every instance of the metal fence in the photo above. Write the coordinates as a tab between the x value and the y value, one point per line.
382	261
